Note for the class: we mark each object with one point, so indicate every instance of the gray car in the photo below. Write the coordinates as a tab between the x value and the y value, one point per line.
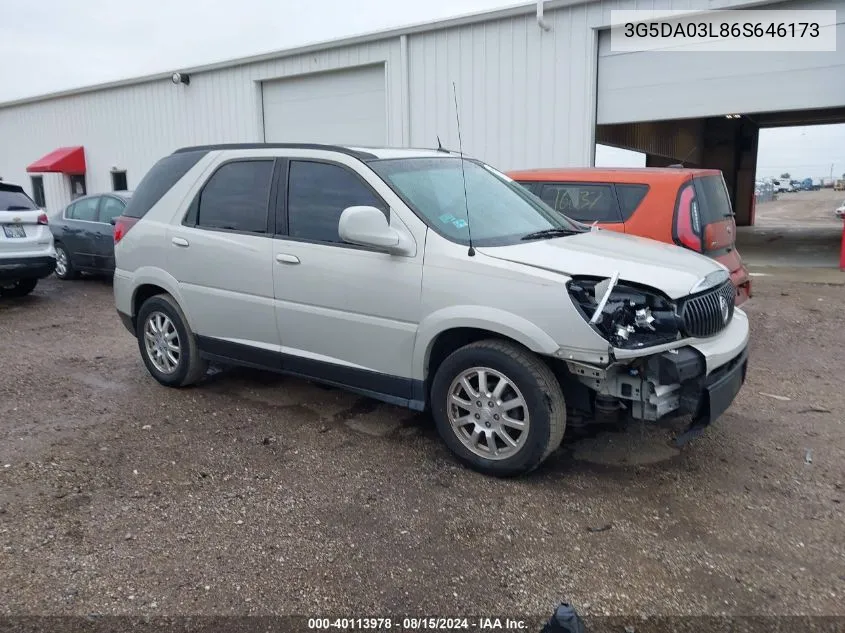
84	234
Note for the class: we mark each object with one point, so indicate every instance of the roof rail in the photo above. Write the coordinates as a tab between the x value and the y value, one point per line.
364	156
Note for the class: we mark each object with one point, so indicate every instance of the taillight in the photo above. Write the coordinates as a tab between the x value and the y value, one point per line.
121	227
688	220
42	219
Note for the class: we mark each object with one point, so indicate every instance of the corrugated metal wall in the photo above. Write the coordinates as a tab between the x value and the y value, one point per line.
676	84
527	97
131	127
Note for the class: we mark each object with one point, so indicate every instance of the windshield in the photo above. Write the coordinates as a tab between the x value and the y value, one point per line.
496	209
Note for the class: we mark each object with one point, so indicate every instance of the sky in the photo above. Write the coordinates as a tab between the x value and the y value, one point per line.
53	45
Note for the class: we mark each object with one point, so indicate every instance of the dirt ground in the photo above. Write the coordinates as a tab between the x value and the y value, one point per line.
797	231
806	208
260	494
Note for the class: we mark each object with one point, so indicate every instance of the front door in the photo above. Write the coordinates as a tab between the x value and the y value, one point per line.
345	313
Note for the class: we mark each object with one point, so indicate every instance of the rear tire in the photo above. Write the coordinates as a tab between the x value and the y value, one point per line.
509	425
19	288
167	344
64	266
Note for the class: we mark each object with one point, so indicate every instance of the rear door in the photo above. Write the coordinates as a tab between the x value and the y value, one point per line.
20	231
587	202
109	209
79	235
221	254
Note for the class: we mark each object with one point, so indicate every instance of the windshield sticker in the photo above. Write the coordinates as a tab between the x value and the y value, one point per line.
448	218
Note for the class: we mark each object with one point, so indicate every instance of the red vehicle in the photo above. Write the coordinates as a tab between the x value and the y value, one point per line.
687	207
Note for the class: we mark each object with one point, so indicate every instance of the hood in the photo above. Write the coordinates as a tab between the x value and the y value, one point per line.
671	269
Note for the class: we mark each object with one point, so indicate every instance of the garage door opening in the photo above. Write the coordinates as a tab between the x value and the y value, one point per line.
780	169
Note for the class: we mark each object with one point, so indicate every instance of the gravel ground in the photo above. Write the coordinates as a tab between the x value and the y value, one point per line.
260	494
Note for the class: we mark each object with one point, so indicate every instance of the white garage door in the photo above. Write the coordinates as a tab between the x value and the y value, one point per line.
656	85
345	107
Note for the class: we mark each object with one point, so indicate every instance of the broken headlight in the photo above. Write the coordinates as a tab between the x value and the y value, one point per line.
627	315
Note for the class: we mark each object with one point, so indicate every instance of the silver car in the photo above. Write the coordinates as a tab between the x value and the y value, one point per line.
427	280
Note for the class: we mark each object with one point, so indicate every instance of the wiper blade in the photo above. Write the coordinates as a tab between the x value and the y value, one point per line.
549	233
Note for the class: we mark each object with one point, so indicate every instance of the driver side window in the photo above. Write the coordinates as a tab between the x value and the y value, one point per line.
317	195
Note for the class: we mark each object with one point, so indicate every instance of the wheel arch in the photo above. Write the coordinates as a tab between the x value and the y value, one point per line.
147	286
445	331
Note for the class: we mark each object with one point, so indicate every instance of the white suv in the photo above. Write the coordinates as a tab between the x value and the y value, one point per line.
426	280
26	243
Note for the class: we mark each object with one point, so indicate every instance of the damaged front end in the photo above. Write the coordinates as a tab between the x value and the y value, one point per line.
665	380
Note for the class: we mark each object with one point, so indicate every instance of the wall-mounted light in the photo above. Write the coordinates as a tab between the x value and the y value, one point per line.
180	78
733	116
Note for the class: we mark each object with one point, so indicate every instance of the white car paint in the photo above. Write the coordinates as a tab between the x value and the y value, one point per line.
353	307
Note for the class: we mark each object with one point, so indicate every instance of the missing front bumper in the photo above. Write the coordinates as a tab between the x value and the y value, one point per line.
670	384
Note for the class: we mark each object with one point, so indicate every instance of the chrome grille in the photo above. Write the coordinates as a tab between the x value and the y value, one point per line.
703	314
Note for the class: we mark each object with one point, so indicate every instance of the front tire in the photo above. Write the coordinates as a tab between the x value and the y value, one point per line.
19	288
498	407
167	344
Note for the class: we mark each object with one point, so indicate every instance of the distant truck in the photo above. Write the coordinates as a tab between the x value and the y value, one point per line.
839	185
809	184
782	185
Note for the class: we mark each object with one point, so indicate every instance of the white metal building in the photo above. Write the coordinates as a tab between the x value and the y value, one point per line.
532	91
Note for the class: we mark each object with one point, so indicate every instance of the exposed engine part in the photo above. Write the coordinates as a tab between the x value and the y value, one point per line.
647	399
626	315
607	409
603	289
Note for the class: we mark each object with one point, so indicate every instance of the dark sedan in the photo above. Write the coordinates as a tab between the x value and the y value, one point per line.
84	234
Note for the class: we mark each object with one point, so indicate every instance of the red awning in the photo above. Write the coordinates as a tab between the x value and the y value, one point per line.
65	160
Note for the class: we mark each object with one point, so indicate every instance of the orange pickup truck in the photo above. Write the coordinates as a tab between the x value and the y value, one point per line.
687	207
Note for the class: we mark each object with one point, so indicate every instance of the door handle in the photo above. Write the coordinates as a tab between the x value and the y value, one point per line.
282	258
180	241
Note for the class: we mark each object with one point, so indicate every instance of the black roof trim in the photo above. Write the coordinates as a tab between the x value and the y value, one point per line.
364	156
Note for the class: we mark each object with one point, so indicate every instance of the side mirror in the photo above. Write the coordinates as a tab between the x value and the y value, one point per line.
113	221
367	226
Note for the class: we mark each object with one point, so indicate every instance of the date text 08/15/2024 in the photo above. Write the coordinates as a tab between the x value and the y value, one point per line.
418	624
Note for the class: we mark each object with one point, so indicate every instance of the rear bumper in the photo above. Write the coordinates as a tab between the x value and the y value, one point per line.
15	268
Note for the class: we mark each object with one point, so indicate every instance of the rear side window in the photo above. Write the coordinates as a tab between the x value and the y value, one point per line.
236	197
318	193
714	204
158	181
630	197
14	199
85	210
582	202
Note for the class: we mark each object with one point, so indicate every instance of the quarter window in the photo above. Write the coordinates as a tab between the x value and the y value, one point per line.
583	202
630	197
317	195
85	210
236	197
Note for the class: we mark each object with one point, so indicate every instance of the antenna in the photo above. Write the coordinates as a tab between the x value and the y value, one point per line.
439	144
471	251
